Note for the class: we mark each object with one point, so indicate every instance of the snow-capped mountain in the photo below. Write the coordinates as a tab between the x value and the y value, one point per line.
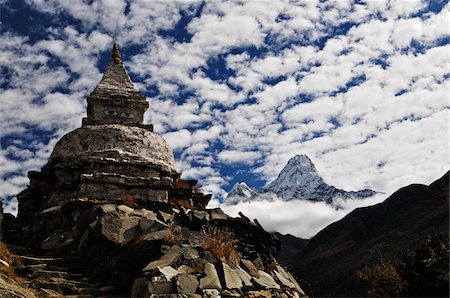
240	192
298	180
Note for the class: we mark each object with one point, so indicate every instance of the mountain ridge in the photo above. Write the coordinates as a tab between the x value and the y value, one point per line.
331	258
298	180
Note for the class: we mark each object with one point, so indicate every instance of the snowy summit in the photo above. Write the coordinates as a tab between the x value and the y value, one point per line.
298	180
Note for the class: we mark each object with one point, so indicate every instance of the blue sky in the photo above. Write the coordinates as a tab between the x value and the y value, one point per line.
239	87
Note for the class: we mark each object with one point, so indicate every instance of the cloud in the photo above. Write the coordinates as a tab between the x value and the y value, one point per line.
297	217
234	156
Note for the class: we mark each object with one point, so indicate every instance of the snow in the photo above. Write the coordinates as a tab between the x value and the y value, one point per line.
298	180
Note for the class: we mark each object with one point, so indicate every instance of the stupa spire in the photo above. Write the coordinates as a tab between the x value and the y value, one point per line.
115	54
115	100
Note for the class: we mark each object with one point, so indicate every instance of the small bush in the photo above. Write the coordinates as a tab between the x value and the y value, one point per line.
382	280
221	243
173	234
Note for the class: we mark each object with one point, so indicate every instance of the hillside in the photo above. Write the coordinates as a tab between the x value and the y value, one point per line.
331	258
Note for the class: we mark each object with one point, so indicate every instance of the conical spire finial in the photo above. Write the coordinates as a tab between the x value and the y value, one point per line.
115	54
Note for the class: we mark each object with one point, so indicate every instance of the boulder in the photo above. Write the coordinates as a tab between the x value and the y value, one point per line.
168	272
266	281
211	293
283	277
187	284
232	278
166	260
218	213
120	228
190	253
251	269
155	235
259	294
160	285
145	224
211	280
245	277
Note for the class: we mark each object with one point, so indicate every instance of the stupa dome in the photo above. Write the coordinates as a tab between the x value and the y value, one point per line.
114	143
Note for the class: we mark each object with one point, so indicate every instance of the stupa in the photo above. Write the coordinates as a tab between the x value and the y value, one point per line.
109	216
113	155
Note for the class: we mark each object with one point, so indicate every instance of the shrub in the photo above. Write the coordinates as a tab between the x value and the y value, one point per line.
221	243
382	280
173	234
426	269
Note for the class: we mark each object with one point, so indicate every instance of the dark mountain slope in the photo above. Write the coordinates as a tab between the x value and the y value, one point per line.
331	258
290	247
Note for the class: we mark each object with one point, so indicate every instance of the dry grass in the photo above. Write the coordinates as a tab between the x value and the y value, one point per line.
8	273
173	234
128	200
221	243
382	280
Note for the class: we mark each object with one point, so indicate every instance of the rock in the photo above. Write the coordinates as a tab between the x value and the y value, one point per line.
149	214
118	228
145	224
51	209
10	289
160	285
211	293
187	284
245	277
259	264
211	280
169	272
108	208
200	215
167	259
54	241
209	257
251	269
259	294
156	235
4	263
125	209
83	239
190	253
231	293
265	280
59	239
283	277
166	216
297	286
232	279
139	288
185	269
218	213
195	239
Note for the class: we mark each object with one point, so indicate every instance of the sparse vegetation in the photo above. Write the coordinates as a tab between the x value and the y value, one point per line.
423	272
221	243
7	269
426	269
382	280
173	234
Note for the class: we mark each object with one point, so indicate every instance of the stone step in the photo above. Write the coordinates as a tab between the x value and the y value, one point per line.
28	260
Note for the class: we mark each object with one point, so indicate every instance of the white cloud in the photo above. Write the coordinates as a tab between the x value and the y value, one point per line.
234	156
299	218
